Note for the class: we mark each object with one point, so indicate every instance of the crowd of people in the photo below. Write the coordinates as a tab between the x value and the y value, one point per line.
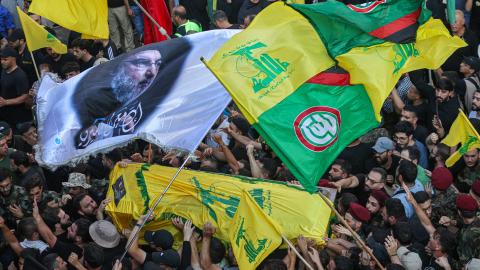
393	187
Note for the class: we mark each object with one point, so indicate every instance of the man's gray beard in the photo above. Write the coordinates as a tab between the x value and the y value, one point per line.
124	87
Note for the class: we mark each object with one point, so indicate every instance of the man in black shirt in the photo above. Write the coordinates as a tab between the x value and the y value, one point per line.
221	21
14	90
459	30
57	61
24	59
444	107
81	51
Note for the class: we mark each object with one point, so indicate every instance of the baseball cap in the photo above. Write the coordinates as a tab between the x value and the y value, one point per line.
160	238
8	52
4	129
16	35
472	61
383	144
167	257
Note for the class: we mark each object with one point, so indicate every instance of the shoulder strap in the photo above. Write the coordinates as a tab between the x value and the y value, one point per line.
472	80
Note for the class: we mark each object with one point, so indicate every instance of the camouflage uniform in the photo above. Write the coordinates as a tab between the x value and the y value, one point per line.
47	196
98	189
469	242
443	204
17	196
466	178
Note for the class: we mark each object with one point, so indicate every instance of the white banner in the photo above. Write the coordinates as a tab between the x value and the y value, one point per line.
161	93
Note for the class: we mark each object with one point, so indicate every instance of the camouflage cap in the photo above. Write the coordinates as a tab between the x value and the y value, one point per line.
77	180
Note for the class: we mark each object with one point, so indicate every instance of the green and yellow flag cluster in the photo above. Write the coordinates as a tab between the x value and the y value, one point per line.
462	132
251	214
37	37
89	17
273	71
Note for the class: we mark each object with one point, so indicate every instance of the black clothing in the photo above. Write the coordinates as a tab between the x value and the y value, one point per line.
249	8
420	134
111	253
20	144
447	111
58	64
64	249
453	62
197	10
231	9
357	156
86	65
25	62
33	172
115	3
13	85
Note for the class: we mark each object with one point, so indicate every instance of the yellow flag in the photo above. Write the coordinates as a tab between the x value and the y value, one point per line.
268	61
379	67
202	197
461	132
254	235
89	17
37	37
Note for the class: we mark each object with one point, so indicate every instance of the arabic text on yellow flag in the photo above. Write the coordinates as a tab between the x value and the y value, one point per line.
202	197
254	234
462	132
89	17
37	37
379	67
268	61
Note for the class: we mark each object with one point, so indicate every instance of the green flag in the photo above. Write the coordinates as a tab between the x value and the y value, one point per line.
309	128
343	27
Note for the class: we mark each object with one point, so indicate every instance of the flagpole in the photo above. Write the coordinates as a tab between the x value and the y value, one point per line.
354	234
298	253
160	28
34	64
150	211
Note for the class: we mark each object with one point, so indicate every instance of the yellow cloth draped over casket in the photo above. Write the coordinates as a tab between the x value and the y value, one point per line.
202	197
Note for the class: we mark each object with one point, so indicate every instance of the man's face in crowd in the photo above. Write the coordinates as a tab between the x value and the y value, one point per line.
459	22
3	147
64	218
381	158
52	54
374	181
60	264
88	206
72	231
31	136
465	68
401	139
7	62
351	221
471	158
409	117
476	101
336	172
372	205
79	53
71	74
6	186
74	191
137	75
15	44
442	95
35	193
412	93
427	207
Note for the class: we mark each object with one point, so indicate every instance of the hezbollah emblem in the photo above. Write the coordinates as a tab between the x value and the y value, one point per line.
317	127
